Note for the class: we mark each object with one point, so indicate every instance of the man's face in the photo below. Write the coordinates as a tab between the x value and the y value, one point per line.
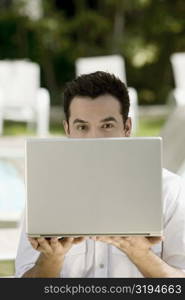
100	117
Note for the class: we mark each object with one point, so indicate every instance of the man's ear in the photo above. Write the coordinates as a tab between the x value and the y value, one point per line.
128	127
66	127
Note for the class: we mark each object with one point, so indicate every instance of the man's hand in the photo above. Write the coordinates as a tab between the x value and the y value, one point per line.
138	250
54	247
134	246
52	253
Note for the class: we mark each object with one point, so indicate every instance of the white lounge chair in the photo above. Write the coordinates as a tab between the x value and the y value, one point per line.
177	95
21	97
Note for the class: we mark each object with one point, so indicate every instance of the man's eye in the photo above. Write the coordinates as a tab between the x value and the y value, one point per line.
81	127
108	125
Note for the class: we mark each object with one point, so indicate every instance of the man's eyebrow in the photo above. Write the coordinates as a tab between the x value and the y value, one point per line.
108	119
104	120
79	121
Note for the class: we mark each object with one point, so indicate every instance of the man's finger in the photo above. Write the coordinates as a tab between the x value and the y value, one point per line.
54	243
33	242
66	242
79	240
44	245
155	239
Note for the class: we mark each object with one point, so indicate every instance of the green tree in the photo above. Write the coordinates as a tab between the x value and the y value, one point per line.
145	32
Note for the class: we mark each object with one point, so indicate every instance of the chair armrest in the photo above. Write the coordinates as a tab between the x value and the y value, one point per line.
177	96
133	112
42	111
1	97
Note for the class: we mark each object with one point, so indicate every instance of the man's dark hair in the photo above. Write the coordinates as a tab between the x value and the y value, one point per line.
96	84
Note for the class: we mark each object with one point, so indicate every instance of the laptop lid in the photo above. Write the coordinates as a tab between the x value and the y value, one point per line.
104	186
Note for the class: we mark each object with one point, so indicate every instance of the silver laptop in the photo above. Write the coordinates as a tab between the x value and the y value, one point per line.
104	186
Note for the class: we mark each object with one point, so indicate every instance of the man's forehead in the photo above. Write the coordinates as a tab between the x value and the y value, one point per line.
88	110
100	106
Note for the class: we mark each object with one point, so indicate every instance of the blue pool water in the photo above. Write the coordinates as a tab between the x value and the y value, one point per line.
12	189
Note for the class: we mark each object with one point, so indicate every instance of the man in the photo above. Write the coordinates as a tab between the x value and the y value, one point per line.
97	105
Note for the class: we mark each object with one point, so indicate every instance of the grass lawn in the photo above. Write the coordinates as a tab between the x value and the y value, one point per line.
7	268
147	127
150	127
20	128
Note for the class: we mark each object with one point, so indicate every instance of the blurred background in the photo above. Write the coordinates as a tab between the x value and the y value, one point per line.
45	43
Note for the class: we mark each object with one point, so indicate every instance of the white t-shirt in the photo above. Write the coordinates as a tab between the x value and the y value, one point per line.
97	259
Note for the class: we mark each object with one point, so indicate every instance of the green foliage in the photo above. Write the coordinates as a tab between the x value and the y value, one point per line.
145	32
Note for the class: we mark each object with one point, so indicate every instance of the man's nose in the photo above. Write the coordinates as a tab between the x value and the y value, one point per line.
94	133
